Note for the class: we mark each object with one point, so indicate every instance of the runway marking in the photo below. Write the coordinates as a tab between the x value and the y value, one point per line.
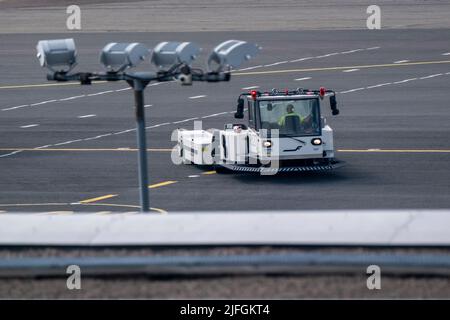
251	87
276	63
108	196
404	81
198	97
62	212
162	184
102	212
73	97
87	116
251	68
17	107
193	176
40	85
370	66
302	79
29	126
161	211
401	61
99	93
396	150
209	172
379	85
83	149
124	89
43	102
302	59
350	70
431	76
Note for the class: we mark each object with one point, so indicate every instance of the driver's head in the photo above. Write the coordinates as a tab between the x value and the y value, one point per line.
290	108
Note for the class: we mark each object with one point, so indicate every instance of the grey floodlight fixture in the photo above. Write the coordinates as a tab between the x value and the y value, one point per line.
117	57
58	55
231	53
167	54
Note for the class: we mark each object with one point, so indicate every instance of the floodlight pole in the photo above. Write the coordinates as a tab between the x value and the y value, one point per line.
138	87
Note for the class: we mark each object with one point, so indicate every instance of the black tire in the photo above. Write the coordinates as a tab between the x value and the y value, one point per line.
221	170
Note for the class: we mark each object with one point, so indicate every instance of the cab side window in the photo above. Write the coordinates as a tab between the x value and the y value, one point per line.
251	114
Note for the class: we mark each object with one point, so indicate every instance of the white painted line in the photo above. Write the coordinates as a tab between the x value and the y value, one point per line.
124	89
251	68
350	70
302	79
352	90
29	126
379	85
17	107
447	73
185	120
372	48
87	116
198	97
401	61
148	106
158	125
71	98
431	76
10	154
327	55
43	147
194	176
99	93
446	54
351	51
43	102
406	80
214	115
302	59
251	87
275	63
125	131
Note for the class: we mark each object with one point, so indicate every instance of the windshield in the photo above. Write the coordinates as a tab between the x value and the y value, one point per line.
291	117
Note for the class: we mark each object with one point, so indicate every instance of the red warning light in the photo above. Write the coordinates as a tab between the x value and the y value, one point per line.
322	91
254	93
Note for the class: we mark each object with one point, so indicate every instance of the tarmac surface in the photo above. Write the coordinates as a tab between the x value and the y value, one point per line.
66	143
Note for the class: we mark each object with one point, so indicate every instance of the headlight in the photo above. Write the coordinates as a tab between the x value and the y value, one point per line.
316	141
267	143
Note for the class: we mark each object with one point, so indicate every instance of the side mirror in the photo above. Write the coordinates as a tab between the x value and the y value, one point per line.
240	109
333	105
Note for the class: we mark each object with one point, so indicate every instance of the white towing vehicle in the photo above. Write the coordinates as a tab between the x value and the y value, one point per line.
285	132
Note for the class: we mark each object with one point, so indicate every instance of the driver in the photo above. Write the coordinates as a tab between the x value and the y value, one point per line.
289	113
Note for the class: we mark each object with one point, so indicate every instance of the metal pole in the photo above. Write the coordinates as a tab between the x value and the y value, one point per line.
139	87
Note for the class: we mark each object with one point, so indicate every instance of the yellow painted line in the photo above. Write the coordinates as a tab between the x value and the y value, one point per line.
161	211
209	172
59	84
162	184
342	68
43	85
108	196
84	149
103	212
397	150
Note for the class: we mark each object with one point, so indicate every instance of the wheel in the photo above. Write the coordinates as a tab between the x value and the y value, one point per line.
221	170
